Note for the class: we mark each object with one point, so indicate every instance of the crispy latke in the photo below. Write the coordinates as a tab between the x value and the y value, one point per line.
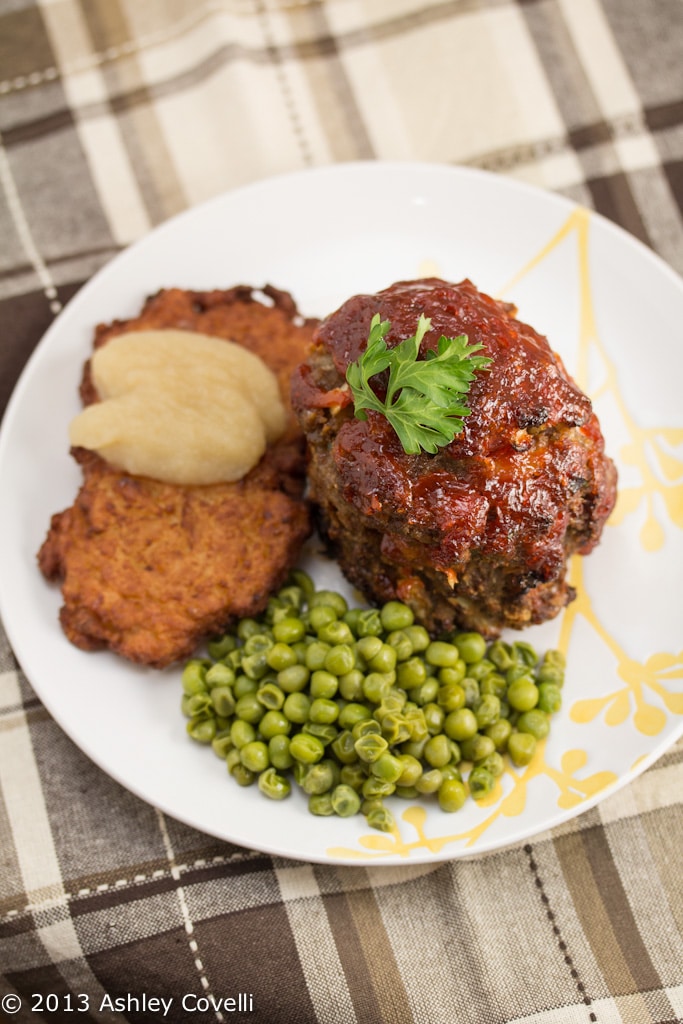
149	569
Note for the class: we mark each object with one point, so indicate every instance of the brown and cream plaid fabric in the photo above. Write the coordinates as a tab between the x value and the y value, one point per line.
115	115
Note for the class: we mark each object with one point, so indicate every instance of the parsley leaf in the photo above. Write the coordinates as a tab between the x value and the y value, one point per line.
423	401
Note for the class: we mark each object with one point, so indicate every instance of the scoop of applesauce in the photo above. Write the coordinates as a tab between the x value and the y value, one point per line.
180	407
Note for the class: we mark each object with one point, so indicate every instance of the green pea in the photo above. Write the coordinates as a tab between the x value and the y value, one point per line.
289	630
380	818
399	640
487	710
301	579
411	673
524	654
316	652
472	693
270	696
320	804
222	744
278	752
550	674
368	646
336	632
351	685
274	723
384	660
254	756
480	670
493	763
273	785
437	751
221	646
323	684
411	770
297	707
330	599
223	701
481	782
294	678
241	733
325	731
535	722
451	795
415	720
306	748
387	767
340	659
197	705
249	709
429	782
255	665
366	727
493	684
232	758
319	778
280	656
451	771
375	787
453	673
472	646
500	654
369	623
242	775
549	698
193	676
406	792
248	627
353	775
419	638
352	713
319	617
323	711
351	619
521	747
202	730
396	615
344	747
441	654
370	747
219	675
522	694
434	717
425	693
499	732
461	724
451	697
477	747
394	728
345	801
375	686
243	685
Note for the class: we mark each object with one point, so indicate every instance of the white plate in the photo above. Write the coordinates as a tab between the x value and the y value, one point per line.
609	307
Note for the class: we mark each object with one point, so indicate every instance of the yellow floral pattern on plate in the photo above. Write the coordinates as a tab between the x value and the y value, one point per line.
653	677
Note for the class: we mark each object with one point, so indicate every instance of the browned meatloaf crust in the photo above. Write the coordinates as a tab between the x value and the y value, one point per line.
149	569
478	535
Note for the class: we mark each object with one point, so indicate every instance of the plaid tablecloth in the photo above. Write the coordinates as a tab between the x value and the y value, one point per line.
115	115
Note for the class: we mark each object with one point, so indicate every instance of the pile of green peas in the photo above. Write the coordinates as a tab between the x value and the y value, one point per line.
357	704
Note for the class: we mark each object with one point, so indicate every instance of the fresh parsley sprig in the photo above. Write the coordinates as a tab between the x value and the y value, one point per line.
423	400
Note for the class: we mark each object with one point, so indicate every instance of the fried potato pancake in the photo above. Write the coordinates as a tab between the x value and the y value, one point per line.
149	569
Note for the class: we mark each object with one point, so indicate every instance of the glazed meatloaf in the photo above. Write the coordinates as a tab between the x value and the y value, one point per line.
476	536
149	569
